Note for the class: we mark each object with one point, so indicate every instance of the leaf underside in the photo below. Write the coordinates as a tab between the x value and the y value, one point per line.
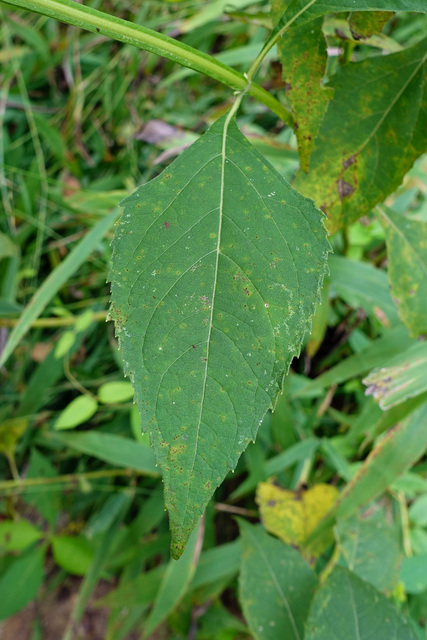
216	269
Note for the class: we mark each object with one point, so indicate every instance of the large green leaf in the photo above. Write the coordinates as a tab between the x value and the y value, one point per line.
370	547
303	55
407	267
348	608
216	268
276	586
21	581
373	131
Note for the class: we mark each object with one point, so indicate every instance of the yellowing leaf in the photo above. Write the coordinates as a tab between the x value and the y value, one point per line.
293	515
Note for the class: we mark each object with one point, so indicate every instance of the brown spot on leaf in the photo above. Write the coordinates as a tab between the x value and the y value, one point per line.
347	162
344	189
167	225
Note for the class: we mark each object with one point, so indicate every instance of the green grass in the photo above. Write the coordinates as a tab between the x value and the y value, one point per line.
79	116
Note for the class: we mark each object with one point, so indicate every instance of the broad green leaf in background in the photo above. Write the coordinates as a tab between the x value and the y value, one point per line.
378	124
275	586
401	377
406	241
413	573
8	249
370	547
45	502
16	535
348	608
303	55
80	410
176	580
293	515
21	581
72	553
216	269
418	511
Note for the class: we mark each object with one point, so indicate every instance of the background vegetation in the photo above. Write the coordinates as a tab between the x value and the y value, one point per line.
84	541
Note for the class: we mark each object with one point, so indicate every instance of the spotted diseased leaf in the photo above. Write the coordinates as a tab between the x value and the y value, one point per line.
373	131
293	515
364	24
407	267
303	55
216	269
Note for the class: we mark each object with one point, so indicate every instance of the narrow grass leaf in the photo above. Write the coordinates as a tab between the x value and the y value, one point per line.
400	378
55	280
121	452
394	342
175	583
394	454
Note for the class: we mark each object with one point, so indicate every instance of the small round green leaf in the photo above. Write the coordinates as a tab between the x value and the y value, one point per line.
74	554
112	392
77	412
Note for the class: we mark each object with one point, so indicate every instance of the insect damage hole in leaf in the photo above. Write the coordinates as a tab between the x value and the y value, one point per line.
211	308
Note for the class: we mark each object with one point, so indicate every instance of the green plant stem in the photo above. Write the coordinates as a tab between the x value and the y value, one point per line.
46	323
6	485
98	22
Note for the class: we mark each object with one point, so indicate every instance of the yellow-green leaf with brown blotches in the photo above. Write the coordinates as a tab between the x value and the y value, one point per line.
293	515
303	55
374	130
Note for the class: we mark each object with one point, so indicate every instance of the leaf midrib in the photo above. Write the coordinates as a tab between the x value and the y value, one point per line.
208	342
